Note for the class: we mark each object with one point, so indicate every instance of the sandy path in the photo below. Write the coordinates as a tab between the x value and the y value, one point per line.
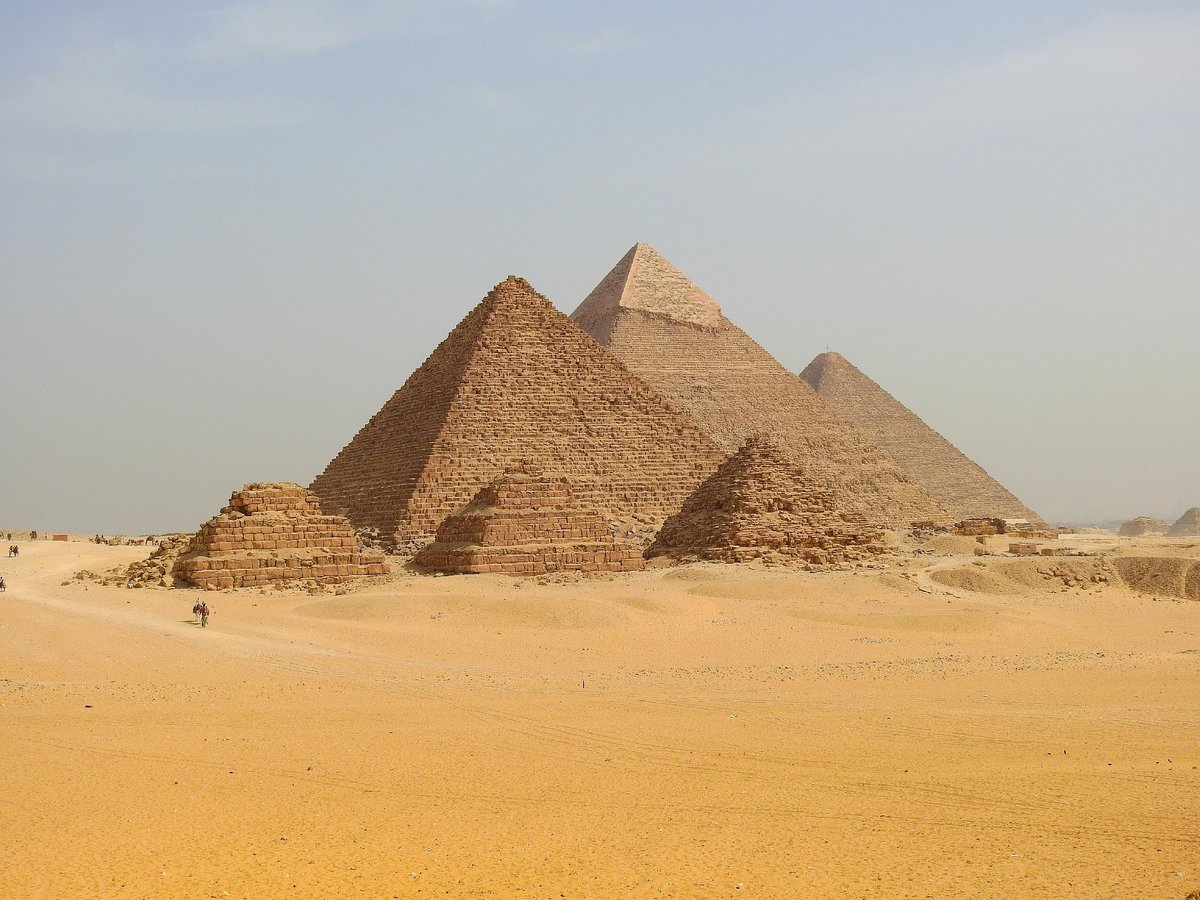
740	733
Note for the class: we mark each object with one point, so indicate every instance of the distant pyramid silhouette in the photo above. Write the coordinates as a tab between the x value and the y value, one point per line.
954	480
1186	525
762	503
515	383
672	334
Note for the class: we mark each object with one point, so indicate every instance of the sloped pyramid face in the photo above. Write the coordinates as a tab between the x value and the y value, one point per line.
515	383
1186	525
954	480
672	335
760	503
528	524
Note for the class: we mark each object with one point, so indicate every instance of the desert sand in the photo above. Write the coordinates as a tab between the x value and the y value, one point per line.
944	727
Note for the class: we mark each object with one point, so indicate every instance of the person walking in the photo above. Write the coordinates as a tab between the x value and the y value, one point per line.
3	586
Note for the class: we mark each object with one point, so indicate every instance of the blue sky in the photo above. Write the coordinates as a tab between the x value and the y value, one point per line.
231	231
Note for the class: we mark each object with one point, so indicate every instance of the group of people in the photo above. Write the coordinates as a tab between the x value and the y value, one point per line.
99	539
200	611
14	550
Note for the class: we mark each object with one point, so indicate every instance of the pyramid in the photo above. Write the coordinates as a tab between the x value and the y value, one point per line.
526	523
1187	525
671	334
270	533
1140	526
963	488
515	383
760	503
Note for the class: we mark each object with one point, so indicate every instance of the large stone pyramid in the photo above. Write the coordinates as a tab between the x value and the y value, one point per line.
671	334
515	383
1187	525
954	480
761	504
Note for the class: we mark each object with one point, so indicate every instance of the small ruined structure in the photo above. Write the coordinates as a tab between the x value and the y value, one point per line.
671	334
979	526
515	381
1139	526
273	533
1187	525
529	524
957	482
762	504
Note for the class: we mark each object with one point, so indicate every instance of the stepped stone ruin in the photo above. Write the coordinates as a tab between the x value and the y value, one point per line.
761	504
672	334
273	533
1140	526
959	484
515	381
1187	525
529	524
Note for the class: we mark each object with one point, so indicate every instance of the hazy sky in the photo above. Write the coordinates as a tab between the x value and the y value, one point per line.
230	232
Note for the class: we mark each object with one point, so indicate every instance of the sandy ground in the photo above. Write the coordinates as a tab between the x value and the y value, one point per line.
703	731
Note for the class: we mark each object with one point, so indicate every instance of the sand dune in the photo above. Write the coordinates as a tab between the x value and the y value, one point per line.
703	731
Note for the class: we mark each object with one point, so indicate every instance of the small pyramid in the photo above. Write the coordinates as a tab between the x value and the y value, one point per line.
525	523
516	381
962	487
676	339
270	533
1140	526
1187	525
760	503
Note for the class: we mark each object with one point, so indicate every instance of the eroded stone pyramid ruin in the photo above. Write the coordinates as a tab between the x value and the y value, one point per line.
962	487
762	504
273	533
1140	526
516	381
1187	525
671	334
529	524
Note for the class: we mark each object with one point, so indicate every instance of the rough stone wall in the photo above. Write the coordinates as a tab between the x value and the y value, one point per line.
1187	525
525	524
1143	525
759	504
962	487
734	389
269	533
1166	575
516	381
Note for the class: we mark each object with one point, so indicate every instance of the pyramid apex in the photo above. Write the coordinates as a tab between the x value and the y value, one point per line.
646	280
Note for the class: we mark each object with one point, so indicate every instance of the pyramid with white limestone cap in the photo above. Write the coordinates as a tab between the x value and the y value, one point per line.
672	334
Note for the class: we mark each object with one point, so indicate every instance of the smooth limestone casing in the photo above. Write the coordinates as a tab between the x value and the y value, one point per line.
671	334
